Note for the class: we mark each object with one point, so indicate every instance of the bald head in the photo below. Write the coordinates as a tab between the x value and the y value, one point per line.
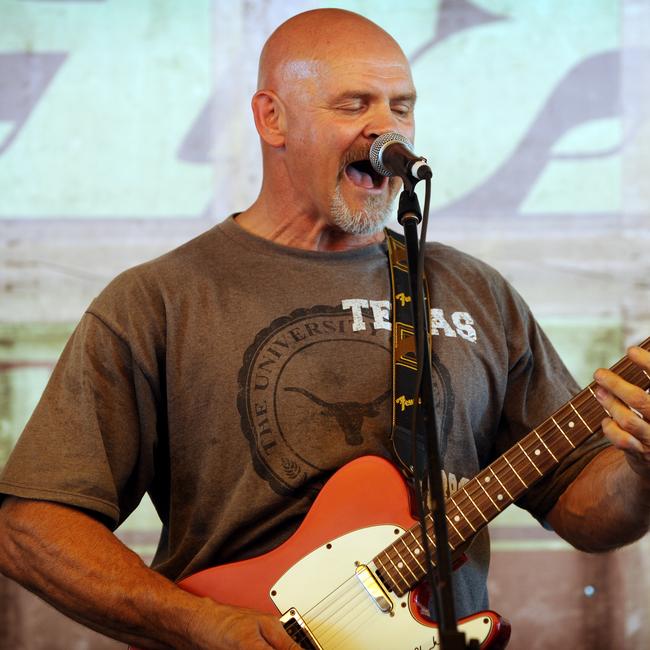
297	48
330	82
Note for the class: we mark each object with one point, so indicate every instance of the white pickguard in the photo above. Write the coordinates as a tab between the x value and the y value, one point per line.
325	591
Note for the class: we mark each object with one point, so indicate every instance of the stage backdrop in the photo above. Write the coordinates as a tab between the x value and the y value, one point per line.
125	130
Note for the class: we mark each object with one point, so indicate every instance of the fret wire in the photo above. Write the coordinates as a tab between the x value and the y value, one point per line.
591	390
408	552
545	445
521	466
403	561
582	401
532	447
598	408
454	527
501	484
429	528
399	573
377	559
488	496
580	416
562	432
462	499
523	460
418	547
462	513
551	434
515	471
480	512
571	411
593	408
627	368
540	460
530	459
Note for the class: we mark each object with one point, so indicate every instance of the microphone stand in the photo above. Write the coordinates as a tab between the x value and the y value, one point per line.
409	216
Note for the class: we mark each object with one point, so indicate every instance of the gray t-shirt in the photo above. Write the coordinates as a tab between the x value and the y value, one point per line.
232	376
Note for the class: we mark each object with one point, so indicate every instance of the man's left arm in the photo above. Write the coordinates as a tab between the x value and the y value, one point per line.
608	504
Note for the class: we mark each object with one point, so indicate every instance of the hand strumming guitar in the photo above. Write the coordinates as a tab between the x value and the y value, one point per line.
235	628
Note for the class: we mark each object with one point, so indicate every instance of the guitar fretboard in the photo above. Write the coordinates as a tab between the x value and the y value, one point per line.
402	564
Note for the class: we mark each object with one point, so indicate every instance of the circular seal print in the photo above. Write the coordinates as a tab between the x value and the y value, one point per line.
313	394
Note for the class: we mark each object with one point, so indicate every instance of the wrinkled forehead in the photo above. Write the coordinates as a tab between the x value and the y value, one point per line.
318	72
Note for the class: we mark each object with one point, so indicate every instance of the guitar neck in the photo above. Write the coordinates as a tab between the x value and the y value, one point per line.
402	564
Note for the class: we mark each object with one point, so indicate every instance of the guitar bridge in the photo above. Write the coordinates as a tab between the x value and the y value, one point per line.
297	629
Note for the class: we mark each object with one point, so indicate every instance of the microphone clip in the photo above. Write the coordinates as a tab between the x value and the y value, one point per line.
409	206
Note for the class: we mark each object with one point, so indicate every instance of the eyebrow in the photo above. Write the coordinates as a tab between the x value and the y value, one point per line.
364	94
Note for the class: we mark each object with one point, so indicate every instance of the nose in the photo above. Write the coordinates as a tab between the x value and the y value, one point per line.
381	119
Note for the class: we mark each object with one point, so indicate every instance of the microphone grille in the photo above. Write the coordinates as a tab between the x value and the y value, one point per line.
379	145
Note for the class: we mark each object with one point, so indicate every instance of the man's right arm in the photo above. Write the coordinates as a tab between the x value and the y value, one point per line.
75	563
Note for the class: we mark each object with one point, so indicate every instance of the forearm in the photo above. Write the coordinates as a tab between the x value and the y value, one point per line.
607	506
76	564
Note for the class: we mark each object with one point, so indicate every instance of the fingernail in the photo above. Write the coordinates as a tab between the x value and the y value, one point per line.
601	393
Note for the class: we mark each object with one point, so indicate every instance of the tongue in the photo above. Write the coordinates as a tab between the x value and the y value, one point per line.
358	177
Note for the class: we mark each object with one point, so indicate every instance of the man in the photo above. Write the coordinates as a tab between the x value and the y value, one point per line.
232	376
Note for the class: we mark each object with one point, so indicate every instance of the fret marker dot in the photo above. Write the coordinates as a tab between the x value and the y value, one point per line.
571	425
487	479
400	565
417	551
456	518
500	497
537	452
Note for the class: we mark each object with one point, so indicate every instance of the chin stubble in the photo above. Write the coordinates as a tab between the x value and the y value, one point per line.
369	220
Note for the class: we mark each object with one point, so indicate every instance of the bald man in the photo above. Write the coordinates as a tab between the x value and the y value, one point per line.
231	377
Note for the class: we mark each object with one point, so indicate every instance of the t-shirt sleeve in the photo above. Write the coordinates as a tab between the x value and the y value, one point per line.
91	438
539	384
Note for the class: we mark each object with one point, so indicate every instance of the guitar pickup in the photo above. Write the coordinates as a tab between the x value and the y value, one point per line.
297	629
367	578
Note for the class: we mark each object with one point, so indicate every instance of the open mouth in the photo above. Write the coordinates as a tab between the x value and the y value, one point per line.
361	173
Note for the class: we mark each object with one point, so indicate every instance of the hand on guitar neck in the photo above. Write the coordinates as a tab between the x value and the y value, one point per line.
625	402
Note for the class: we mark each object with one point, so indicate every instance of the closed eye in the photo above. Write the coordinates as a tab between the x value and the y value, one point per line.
402	109
351	107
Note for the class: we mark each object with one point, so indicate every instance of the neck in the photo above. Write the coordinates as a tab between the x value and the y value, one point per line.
296	228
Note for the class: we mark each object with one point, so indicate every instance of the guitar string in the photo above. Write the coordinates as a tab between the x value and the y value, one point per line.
589	408
337	636
476	493
518	458
340	634
318	616
319	608
521	457
522	460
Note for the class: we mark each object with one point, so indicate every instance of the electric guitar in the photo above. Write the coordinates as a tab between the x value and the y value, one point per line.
347	578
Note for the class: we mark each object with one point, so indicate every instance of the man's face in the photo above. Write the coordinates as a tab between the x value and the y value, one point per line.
336	107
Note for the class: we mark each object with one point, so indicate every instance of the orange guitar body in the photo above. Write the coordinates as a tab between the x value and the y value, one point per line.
362	509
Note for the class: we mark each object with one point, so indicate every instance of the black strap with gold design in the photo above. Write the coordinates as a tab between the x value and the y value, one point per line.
410	450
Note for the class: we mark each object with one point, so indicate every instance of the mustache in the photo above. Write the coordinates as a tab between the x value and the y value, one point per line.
358	153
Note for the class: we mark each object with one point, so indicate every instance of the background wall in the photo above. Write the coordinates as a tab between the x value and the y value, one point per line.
125	130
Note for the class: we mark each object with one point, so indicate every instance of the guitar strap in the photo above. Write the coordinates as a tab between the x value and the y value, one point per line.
410	450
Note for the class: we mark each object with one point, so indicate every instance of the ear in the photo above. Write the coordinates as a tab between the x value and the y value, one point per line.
270	117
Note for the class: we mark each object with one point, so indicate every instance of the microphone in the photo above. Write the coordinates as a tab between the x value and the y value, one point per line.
391	154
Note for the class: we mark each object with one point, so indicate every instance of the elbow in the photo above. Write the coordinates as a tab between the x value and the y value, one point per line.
10	556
